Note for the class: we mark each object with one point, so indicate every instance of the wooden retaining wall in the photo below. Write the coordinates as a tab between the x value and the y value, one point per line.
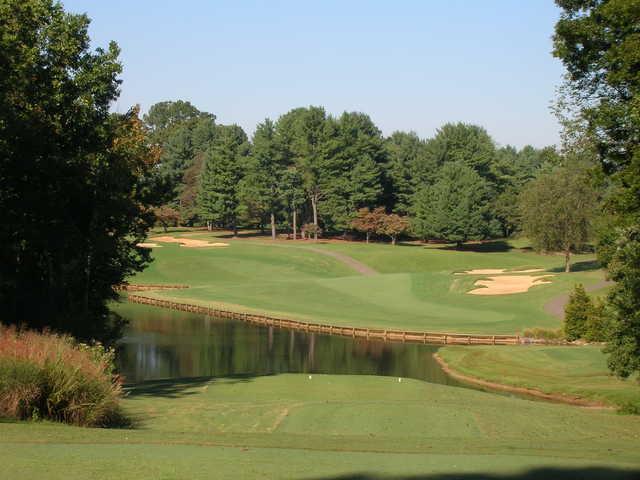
354	332
143	288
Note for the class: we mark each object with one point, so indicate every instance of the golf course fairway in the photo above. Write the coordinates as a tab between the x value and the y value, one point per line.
416	287
328	426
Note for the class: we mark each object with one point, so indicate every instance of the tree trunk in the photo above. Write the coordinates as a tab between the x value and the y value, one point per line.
393	240
567	261
367	237
273	226
314	205
295	224
235	229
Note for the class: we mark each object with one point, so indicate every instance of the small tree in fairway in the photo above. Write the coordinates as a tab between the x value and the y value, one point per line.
557	211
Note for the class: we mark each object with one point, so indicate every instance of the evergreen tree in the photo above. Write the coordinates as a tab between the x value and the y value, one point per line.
352	173
455	208
464	143
303	135
263	184
224	164
408	168
576	313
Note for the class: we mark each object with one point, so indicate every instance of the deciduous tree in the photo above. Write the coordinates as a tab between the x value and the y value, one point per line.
74	189
558	210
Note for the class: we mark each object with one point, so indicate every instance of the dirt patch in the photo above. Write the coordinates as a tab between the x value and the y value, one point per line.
556	305
359	267
497	271
507	284
148	245
189	242
532	392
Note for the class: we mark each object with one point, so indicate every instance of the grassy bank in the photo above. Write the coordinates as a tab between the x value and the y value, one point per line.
574	371
416	288
291	426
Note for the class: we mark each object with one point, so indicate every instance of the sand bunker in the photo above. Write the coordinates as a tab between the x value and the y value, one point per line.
189	242
497	271
148	245
508	284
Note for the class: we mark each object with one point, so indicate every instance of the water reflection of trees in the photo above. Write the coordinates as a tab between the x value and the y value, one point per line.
166	344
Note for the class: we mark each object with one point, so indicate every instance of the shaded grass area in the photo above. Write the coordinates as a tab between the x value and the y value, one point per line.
576	371
415	290
290	426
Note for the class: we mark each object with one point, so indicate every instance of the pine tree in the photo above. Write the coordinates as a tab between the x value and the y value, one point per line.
218	196
455	208
263	183
576	313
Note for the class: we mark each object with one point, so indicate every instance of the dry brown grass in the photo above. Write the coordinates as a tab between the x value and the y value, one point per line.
45	375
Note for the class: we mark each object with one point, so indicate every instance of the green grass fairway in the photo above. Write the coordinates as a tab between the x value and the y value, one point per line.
576	371
415	289
290	426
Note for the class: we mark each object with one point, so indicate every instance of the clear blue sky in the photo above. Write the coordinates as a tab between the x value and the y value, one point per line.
411	65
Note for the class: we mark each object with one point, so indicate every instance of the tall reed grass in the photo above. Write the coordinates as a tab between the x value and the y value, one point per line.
51	376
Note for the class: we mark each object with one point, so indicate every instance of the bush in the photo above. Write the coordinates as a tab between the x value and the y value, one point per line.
48	376
599	323
576	313
544	333
585	318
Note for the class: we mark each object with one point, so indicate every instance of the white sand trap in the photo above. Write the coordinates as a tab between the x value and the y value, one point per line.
189	242
497	271
508	284
148	245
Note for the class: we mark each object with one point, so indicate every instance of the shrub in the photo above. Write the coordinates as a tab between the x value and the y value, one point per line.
49	376
544	333
576	313
599	323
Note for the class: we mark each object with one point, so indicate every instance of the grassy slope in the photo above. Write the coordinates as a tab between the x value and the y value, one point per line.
290	426
576	371
415	290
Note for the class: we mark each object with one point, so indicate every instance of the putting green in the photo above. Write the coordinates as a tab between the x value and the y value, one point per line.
415	289
294	426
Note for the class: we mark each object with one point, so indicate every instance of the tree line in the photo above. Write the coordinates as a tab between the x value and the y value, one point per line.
312	169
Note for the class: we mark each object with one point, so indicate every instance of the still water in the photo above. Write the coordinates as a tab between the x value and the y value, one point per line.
161	343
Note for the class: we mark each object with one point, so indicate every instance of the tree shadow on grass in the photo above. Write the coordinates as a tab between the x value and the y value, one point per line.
588	473
493	246
180	387
584	266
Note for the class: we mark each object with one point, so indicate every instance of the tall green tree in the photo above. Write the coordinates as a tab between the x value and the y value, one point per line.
263	182
598	42
304	139
353	169
455	208
408	168
182	132
576	313
224	166
465	143
74	186
558	209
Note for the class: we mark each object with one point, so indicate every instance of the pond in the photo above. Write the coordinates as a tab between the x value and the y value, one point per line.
161	344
